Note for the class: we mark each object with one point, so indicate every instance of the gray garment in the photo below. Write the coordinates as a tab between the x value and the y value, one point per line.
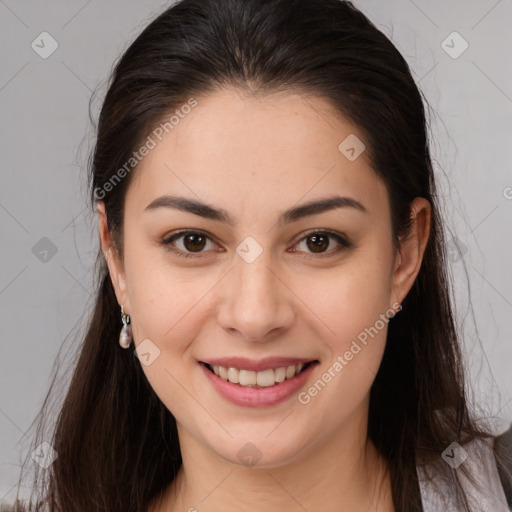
436	481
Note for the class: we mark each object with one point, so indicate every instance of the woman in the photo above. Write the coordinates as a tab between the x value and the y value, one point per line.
273	327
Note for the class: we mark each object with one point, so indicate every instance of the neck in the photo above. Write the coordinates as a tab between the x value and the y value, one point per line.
334	475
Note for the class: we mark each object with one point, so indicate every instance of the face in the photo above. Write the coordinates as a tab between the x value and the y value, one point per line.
317	284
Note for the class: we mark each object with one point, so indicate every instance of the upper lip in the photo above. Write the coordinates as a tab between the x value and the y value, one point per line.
243	363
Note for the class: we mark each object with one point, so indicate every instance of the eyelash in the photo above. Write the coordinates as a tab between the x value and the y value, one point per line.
168	243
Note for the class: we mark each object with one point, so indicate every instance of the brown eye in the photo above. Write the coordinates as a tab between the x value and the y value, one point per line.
317	243
192	243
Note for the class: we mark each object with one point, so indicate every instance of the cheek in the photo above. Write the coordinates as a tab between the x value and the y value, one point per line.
169	317
164	296
170	314
352	297
354	304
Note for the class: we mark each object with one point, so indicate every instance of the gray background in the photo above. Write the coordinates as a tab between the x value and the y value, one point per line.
46	138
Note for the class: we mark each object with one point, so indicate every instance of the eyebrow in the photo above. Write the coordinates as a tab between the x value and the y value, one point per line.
218	214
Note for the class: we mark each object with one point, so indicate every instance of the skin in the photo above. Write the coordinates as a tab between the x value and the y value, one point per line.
256	157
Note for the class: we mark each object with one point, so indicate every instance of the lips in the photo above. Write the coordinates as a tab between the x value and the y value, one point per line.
256	395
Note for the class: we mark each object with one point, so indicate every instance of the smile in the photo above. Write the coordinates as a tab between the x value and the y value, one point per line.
261	388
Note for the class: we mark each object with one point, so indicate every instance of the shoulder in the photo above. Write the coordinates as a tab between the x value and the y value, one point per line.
474	466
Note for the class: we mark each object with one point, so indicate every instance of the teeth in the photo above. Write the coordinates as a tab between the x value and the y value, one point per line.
249	378
266	378
280	374
233	375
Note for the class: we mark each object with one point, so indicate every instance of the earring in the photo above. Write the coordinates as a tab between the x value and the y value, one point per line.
125	337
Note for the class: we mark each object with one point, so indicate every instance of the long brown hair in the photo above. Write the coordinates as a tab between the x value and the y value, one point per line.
116	442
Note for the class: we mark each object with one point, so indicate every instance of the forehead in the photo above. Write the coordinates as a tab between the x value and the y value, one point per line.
239	149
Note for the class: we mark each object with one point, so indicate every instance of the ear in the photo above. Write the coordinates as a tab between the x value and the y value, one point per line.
410	255
115	266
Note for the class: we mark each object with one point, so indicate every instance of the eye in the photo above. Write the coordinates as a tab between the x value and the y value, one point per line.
193	243
319	241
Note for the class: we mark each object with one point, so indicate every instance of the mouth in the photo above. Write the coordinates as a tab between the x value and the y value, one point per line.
269	378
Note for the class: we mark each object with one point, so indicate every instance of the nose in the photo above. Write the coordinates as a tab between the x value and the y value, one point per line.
258	305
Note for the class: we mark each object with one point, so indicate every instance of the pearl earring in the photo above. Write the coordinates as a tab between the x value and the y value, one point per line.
125	337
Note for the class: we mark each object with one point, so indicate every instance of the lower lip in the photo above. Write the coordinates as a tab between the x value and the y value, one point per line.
257	397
